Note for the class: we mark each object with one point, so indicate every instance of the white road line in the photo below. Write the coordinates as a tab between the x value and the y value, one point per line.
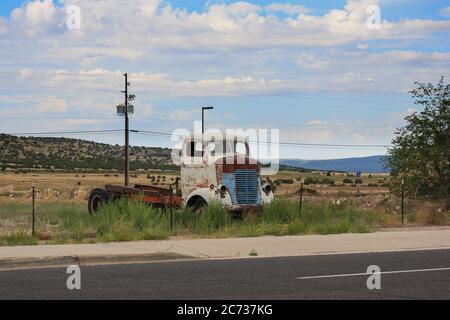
369	274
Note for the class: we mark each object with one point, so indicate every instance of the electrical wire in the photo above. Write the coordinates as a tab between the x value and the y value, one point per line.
166	134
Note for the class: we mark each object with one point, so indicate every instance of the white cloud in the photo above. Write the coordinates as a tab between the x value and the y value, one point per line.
309	61
3	25
229	115
230	49
180	114
234	26
316	123
52	104
79	122
25	73
146	110
445	12
362	46
290	9
35	16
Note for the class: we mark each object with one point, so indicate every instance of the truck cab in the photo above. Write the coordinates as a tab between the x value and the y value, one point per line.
220	169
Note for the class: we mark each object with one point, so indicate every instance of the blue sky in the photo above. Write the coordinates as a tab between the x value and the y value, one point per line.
312	69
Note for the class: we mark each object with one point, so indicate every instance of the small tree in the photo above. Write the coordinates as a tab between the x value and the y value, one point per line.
420	152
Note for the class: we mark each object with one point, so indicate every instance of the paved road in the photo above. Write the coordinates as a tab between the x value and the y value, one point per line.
260	278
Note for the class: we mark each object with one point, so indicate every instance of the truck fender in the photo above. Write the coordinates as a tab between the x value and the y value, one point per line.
208	195
267	198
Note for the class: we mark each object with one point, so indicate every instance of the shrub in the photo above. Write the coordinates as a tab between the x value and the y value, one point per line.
429	215
310	180
286	181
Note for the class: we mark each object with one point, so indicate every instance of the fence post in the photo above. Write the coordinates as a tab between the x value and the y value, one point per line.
301	197
403	202
33	196
170	207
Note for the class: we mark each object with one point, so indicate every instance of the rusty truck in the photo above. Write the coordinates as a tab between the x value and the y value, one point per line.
213	169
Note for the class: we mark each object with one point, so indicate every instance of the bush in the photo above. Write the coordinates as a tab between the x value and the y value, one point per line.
347	180
285	181
430	215
328	182
310	180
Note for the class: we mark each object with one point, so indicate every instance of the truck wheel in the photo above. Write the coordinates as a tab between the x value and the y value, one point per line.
197	203
200	205
96	199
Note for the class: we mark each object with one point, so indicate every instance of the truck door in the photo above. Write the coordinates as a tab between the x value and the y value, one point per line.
194	173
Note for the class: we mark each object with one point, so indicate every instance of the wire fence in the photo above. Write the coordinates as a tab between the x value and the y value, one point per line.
43	210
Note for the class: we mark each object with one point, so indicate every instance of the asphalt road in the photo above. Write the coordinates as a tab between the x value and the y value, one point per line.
256	278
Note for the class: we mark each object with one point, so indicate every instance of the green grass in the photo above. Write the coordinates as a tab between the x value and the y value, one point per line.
126	220
22	238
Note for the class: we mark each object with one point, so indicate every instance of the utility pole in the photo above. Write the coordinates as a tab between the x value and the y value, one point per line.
125	110
127	134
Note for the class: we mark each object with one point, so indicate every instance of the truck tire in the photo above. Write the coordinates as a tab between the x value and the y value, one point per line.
96	199
198	204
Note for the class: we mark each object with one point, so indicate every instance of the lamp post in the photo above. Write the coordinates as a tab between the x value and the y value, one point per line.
203	117
203	123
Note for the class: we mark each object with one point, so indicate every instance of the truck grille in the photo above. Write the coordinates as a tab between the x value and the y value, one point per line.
247	184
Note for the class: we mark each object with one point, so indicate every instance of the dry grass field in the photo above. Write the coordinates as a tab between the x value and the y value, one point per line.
331	205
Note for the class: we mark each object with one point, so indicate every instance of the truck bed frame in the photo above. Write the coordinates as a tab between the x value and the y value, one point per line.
156	196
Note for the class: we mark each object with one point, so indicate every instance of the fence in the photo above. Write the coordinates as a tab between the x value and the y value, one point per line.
41	211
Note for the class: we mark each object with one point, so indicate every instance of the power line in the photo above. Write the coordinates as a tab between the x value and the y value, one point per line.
166	134
231	122
62	73
64	132
293	144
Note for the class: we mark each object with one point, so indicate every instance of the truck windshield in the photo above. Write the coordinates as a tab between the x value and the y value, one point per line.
217	148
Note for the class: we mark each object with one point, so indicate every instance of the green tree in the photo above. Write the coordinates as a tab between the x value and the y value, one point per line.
420	152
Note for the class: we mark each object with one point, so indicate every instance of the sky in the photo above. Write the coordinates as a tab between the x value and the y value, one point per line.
313	69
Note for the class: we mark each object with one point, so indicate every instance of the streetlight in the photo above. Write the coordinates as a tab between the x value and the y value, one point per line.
203	117
203	124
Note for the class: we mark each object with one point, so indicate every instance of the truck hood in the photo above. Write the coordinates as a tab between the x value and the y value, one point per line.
229	164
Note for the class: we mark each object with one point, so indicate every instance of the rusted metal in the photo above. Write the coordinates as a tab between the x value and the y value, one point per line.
149	194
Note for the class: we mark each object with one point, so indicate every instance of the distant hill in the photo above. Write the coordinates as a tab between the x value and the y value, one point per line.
69	154
371	164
